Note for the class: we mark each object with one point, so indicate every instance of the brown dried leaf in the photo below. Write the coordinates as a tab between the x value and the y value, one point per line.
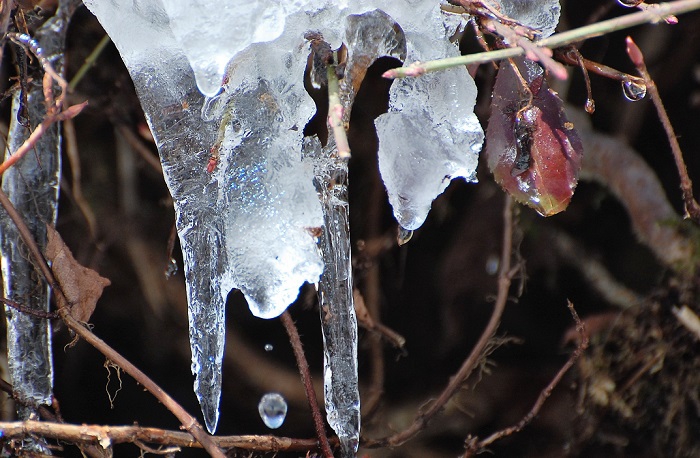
81	286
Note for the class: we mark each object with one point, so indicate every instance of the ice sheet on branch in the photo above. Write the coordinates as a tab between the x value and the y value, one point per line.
248	221
430	134
542	15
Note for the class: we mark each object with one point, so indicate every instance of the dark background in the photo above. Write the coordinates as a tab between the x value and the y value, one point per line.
436	291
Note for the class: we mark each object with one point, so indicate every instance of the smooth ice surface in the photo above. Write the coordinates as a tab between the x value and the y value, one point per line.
247	223
273	410
32	186
542	15
430	134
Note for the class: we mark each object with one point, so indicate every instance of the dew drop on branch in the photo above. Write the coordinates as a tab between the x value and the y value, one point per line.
634	90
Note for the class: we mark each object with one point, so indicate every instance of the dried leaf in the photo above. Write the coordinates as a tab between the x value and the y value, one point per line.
533	151
81	286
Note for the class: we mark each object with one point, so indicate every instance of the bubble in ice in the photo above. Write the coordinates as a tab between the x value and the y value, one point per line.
269	347
634	90
273	410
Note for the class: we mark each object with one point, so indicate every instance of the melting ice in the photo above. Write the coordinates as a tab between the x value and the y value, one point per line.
222	89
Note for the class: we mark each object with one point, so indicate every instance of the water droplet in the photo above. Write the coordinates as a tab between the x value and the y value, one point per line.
492	264
634	90
590	106
404	236
273	410
171	268
630	3
269	347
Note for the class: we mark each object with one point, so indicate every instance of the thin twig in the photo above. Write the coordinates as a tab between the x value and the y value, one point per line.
474	447
143	151
555	41
505	276
29	311
335	115
37	133
188	421
95	434
76	173
692	207
89	62
308	385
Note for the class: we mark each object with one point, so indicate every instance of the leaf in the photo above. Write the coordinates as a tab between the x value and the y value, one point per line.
533	152
82	287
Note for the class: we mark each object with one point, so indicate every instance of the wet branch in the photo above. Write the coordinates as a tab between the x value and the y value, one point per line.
305	373
505	276
474	446
560	39
109	435
692	207
188	421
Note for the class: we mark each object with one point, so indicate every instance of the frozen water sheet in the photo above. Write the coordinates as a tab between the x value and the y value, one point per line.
247	221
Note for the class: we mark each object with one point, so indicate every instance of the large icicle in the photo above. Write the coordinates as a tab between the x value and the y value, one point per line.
247	221
32	186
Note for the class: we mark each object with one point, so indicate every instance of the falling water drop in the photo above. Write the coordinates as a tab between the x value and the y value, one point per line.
404	236
171	268
634	90
273	410
269	347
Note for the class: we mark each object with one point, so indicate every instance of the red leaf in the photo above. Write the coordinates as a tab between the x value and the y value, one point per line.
533	152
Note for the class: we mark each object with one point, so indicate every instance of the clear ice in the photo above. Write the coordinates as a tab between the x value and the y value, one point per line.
223	91
273	410
32	185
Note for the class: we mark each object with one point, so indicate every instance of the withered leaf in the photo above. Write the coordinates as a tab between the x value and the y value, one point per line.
533	152
81	286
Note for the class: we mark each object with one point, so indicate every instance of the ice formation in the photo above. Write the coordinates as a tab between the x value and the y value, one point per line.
222	88
32	186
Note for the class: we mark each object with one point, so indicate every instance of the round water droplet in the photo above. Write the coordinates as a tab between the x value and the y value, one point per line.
273	410
634	90
171	268
492	264
269	347
590	106
630	3
404	236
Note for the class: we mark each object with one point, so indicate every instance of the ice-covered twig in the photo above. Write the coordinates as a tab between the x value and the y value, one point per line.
692	207
335	114
505	276
188	421
555	41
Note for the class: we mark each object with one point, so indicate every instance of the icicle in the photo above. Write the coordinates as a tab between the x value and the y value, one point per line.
32	185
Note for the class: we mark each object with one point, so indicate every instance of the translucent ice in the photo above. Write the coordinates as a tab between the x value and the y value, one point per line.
430	134
273	410
32	186
244	195
542	15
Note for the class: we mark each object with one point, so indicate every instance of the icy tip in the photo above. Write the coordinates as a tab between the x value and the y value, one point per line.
209	78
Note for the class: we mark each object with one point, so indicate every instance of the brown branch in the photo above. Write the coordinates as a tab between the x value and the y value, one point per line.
29	311
38	132
692	207
505	276
306	380
108	435
187	420
474	447
143	151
